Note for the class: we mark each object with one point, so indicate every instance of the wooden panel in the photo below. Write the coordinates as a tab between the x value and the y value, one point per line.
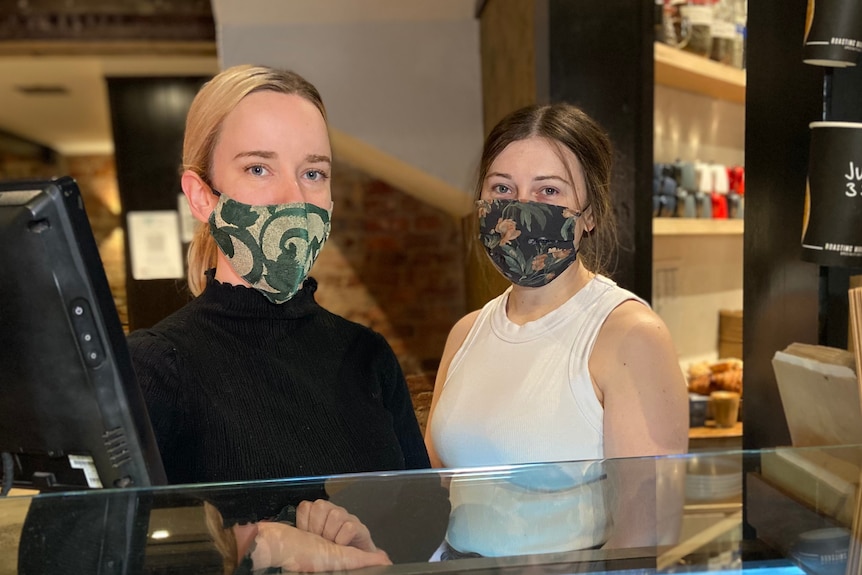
49	21
687	71
696	227
508	58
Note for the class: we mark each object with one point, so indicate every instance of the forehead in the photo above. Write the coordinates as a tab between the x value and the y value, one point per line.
268	118
538	156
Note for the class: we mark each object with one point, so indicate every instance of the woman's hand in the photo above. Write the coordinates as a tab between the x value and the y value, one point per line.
281	545
335	524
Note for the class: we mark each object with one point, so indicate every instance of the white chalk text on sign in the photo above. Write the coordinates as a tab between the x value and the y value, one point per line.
854	176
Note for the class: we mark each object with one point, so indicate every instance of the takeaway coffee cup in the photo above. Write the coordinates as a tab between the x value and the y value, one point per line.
833	33
725	408
832	232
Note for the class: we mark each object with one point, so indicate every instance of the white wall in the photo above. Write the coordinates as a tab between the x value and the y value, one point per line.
407	83
693	127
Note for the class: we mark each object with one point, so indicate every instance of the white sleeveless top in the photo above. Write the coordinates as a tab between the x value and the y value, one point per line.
523	394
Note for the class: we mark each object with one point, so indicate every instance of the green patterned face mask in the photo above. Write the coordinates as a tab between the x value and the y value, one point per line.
530	243
272	247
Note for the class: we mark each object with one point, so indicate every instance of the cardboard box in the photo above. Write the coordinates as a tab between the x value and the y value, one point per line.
730	333
820	395
729	349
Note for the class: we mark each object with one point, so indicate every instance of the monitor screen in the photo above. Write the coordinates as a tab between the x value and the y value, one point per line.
71	413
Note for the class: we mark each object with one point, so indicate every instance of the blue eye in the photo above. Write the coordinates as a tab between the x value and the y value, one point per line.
500	189
549	192
257	170
315	175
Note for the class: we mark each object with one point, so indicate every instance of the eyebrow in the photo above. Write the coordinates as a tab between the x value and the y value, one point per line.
536	179
312	158
315	158
256	154
544	178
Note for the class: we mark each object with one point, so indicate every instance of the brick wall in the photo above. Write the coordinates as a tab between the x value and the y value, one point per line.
392	263
97	179
396	265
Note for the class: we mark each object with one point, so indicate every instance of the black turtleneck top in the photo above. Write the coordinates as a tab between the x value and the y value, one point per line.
239	388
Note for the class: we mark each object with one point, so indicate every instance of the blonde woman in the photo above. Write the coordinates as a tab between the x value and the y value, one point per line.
252	379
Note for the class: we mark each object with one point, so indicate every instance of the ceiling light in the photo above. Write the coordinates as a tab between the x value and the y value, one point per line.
43	90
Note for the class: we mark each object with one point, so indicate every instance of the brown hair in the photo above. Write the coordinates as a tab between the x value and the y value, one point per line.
570	129
215	100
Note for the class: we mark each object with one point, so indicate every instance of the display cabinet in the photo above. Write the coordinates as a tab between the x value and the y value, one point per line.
650	515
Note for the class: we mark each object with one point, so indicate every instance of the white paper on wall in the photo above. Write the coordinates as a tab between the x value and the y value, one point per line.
154	245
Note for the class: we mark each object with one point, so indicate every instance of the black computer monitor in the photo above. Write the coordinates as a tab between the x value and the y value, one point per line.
71	412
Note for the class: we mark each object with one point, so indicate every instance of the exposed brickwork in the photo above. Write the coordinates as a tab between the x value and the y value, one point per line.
97	179
421	387
395	265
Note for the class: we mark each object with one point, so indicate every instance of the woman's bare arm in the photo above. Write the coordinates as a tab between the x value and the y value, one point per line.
640	384
457	335
643	391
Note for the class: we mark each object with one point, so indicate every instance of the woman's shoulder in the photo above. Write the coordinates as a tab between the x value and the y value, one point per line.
462	327
601	284
464	324
339	324
150	347
345	333
633	317
632	335
163	338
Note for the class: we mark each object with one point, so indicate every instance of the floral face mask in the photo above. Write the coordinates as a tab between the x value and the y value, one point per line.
272	247
530	243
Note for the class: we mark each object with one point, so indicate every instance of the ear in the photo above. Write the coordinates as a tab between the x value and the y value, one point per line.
199	195
589	220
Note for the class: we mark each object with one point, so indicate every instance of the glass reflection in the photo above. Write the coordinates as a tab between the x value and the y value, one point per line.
653	515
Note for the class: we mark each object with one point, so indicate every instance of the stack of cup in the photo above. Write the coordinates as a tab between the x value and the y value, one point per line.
833	33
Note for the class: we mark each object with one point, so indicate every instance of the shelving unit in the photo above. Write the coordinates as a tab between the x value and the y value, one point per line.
697	263
686	71
695	227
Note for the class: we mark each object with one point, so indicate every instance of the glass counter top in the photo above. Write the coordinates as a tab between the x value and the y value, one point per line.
785	511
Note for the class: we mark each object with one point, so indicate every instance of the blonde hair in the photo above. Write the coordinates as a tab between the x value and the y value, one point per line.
215	100
223	538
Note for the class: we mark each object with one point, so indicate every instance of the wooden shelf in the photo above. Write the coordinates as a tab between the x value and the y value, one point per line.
695	227
710	430
686	71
